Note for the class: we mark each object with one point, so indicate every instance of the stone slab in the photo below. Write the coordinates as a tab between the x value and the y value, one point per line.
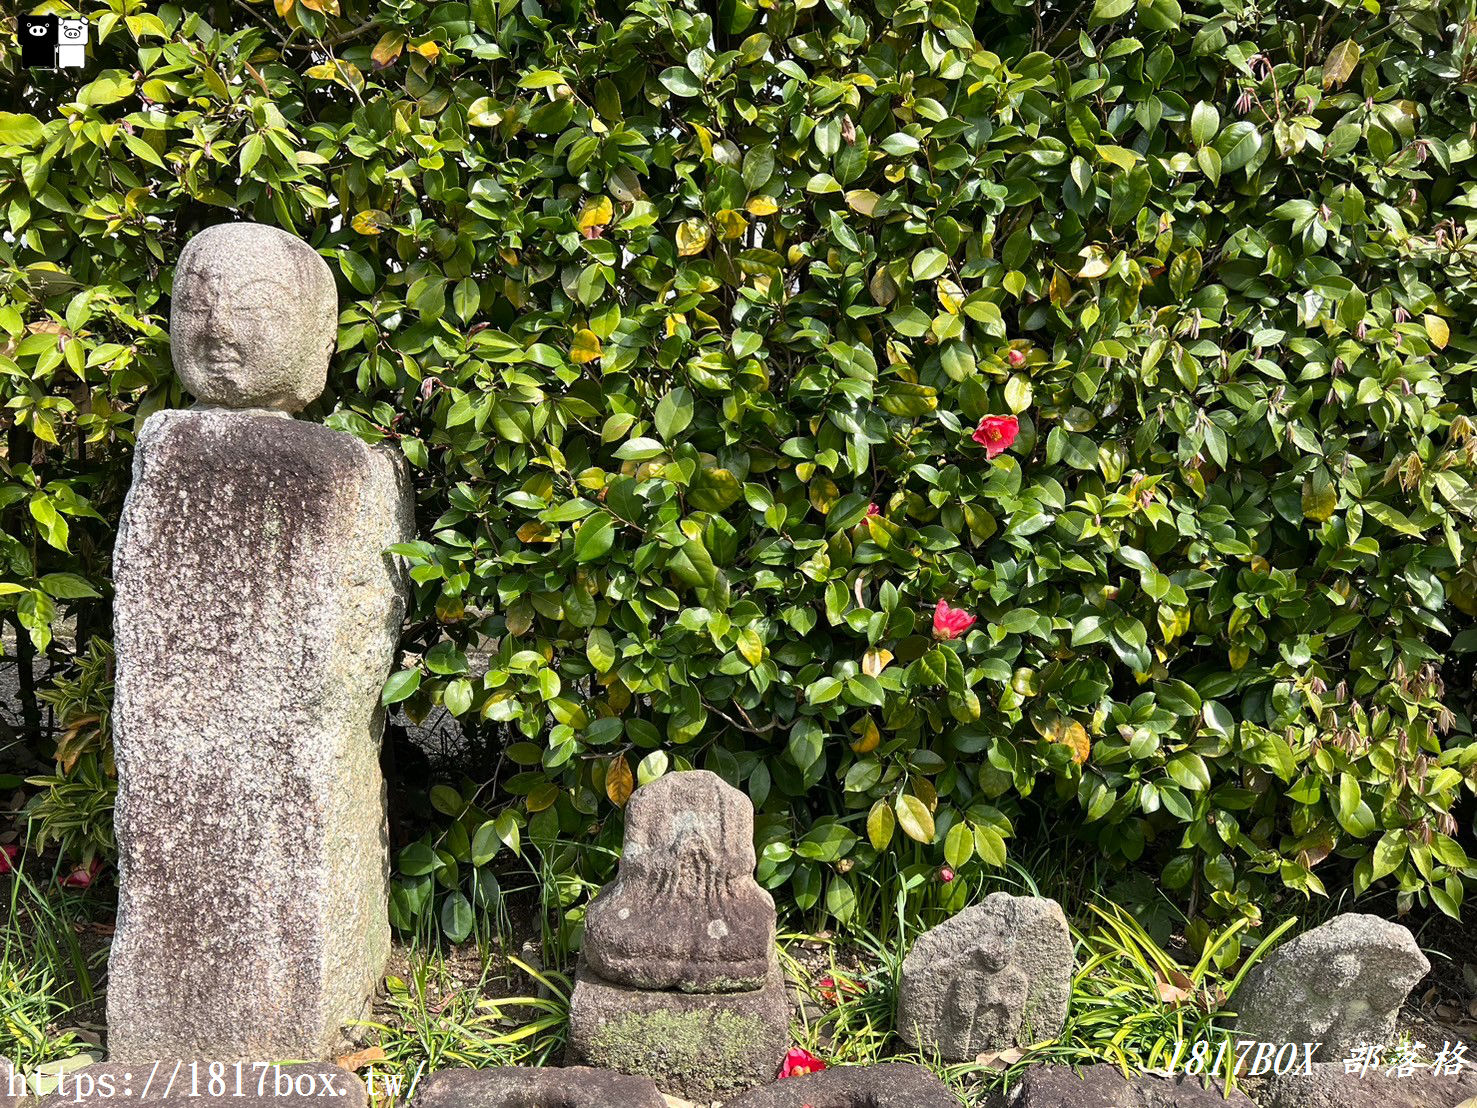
256	617
703	1047
1341	984
527	1087
1104	1086
1329	1086
890	1085
192	1084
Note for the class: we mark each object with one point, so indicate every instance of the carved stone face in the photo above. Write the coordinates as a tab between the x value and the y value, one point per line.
253	319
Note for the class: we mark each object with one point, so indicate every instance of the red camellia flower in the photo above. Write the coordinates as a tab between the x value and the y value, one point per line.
8	855
873	510
996	433
799	1062
833	990
82	877
950	623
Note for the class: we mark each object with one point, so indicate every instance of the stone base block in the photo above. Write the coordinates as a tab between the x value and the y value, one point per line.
12	1085
208	1085
1328	1086
703	1047
527	1087
890	1085
1102	1085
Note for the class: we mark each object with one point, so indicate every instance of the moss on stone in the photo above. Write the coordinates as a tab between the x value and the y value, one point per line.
660	1044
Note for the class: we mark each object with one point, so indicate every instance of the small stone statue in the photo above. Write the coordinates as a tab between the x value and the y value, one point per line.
679	979
685	911
997	975
257	613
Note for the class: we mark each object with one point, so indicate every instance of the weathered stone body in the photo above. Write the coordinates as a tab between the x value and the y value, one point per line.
890	1085
256	617
700	1046
191	1084
684	912
1329	1086
1103	1086
526	1087
1341	984
995	976
12	1085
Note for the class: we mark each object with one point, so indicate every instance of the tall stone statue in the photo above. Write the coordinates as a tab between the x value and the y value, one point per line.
256	617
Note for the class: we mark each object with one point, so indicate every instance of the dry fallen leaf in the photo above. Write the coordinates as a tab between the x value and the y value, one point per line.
361	1058
1000	1059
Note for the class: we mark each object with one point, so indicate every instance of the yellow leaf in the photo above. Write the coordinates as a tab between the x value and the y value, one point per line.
1238	656
387	49
731	224
428	50
533	531
823	494
283	7
542	796
619	781
751	646
1439	332
1094	262
586	347
1073	735
862	200
867	736
597	212
1338	67
371	221
951	296
692	237
762	205
915	819
875	661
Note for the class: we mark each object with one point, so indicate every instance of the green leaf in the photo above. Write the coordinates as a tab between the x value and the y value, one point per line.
19	130
457	917
1106	10
674	413
595	538
67	586
958	845
401	686
1205	122
681	82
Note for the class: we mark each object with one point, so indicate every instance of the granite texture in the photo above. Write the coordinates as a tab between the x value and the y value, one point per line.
525	1087
12	1085
1328	1086
890	1085
1104	1086
253	318
684	911
1341	984
700	1046
192	1085
995	976
256	617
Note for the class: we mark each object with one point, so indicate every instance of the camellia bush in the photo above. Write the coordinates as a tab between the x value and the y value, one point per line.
925	415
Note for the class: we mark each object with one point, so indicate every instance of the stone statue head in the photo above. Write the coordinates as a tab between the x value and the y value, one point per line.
253	319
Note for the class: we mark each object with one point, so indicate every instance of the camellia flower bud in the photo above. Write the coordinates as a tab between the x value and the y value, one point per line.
945	875
1016	358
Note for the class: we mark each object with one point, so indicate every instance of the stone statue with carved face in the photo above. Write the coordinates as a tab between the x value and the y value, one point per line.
256	617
